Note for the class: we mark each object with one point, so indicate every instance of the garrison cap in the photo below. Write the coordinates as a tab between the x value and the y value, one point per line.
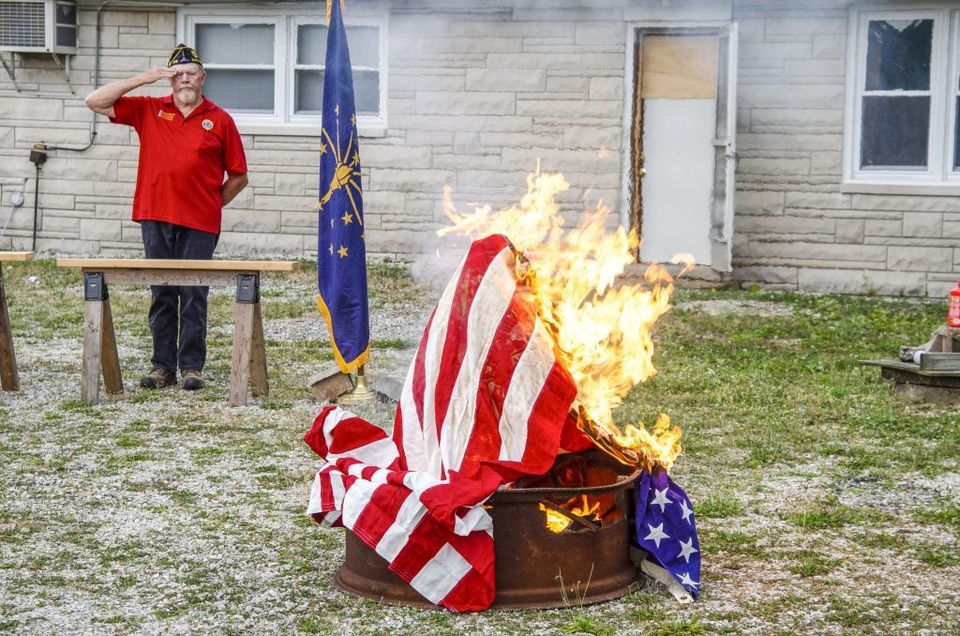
183	54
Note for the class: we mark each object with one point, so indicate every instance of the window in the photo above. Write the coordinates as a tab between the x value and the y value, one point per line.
267	69
903	112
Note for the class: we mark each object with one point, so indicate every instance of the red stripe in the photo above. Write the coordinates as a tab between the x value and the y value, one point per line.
547	418
424	542
379	513
509	342
478	261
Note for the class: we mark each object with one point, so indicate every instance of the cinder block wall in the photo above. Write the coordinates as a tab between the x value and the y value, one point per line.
794	227
477	94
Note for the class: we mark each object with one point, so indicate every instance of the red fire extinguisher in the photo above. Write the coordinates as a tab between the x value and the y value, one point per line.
953	308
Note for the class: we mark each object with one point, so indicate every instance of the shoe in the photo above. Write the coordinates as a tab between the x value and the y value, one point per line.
158	379
190	380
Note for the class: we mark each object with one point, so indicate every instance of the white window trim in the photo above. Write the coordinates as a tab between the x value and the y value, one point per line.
283	121
938	173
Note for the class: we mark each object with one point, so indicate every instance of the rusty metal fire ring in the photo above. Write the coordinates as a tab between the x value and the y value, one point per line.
535	567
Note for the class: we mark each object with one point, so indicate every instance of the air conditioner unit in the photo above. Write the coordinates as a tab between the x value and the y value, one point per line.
38	26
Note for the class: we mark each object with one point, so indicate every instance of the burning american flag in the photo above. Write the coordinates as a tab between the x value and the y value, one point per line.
526	355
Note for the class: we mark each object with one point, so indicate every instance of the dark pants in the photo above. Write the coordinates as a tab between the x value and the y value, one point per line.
173	303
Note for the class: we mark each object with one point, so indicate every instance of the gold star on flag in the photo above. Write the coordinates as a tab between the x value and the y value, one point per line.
331	249
353	119
342	251
347	219
323	149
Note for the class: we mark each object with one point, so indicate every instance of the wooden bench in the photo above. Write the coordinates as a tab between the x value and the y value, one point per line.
249	363
9	379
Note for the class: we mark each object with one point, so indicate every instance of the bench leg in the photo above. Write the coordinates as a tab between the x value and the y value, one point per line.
240	365
9	380
92	348
109	358
258	357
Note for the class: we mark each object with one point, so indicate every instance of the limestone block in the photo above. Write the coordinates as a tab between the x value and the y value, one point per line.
31	109
508	79
572	111
274	202
292	220
794	120
465	103
438	140
388	156
792	225
59	245
99	229
909	258
808	251
249	243
121	17
923	225
600	33
766	274
883	227
767	165
248	220
814	96
606	88
903	203
54	224
162	22
585	62
850	230
142	41
566	161
113	211
951	229
794	141
497	123
455	161
109	36
826	162
525	29
829	47
544	136
261	159
289	184
411	180
861	281
798	26
776	50
818	200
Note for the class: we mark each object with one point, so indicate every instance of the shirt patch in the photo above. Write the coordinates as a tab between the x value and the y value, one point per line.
207	124
162	114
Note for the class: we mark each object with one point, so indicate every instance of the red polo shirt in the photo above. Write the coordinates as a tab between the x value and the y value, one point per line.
182	160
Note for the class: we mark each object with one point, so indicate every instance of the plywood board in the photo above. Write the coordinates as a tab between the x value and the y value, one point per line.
678	67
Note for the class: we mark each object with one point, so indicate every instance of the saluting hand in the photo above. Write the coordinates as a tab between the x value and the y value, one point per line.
157	73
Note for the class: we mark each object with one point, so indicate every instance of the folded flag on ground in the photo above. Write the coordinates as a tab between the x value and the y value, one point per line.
666	529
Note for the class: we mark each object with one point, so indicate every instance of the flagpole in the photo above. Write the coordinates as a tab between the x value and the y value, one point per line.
360	394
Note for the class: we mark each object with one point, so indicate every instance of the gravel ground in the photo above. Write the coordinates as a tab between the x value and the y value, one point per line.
172	512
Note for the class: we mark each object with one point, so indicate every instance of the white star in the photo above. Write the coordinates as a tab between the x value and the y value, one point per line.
686	580
686	549
661	499
686	511
656	534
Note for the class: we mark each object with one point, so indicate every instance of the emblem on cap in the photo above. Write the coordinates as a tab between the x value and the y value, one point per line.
183	54
207	124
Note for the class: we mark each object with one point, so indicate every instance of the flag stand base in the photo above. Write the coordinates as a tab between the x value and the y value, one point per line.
360	394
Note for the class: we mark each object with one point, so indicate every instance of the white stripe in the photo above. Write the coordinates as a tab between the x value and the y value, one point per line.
435	339
489	305
397	535
327	520
477	518
314	504
381	452
522	394
410	425
418	482
440	574
356	500
380	477
336	489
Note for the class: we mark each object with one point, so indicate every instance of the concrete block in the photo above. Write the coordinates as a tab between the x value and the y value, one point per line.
329	383
610	33
162	22
767	95
567	84
807	251
99	229
606	88
905	203
31	109
826	162
586	62
776	50
951	229
791	225
883	227
248	220
922	225
771	166
818	200
803	26
919	259
829	47
766	275
572	111
391	156
796	120
291	184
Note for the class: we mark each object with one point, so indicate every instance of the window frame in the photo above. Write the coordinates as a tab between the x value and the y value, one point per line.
944	71
284	120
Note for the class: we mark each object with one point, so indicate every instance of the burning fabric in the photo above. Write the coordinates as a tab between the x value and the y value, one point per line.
519	362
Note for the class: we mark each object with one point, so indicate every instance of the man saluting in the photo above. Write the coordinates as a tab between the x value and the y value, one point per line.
187	145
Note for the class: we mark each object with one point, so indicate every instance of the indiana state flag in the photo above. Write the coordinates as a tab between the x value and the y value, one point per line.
341	255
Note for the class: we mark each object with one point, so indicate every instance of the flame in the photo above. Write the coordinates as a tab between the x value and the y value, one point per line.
558	522
603	332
